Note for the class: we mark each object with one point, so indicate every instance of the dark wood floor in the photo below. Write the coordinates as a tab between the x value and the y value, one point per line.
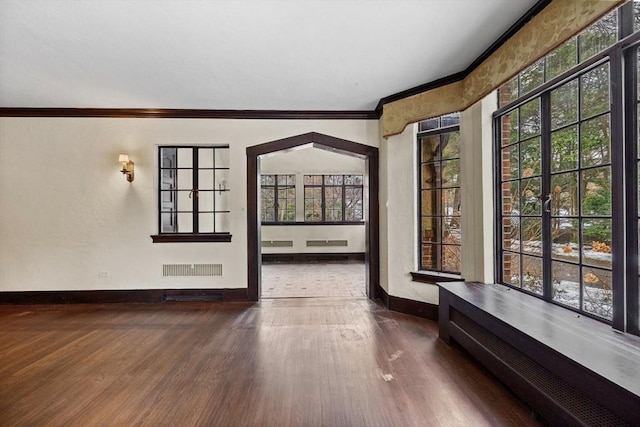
281	362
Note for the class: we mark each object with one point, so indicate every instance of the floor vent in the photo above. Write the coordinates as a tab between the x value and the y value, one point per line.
277	243
192	298
326	243
187	270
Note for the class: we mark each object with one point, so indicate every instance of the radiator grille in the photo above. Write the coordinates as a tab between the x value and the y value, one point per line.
187	270
277	243
576	402
326	243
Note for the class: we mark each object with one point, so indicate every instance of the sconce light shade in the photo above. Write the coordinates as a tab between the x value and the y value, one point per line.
127	166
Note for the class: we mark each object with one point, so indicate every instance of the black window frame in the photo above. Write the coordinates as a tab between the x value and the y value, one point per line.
323	205
622	58
275	188
438	126
195	235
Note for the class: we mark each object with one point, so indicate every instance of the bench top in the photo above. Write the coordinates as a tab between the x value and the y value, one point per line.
590	343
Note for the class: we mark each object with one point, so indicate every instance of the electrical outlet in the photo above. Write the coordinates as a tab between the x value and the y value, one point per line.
103	274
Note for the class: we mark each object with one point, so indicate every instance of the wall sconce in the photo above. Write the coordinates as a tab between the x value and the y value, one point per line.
127	166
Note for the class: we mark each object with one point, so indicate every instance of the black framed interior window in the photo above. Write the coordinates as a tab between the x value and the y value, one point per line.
567	150
278	198
193	193
333	198
439	194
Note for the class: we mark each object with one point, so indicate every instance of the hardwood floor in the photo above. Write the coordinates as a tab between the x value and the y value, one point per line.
280	362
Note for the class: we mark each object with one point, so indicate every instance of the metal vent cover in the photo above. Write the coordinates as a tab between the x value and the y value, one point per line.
191	270
326	243
277	243
588	411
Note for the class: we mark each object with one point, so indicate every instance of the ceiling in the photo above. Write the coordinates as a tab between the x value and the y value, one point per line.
257	55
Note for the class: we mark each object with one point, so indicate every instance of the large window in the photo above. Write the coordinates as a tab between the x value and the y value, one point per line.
439	195
278	198
333	198
562	174
193	193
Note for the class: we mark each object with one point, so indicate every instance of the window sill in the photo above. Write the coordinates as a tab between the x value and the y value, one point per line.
265	223
191	238
432	277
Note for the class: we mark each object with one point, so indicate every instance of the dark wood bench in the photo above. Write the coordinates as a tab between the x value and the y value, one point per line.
571	369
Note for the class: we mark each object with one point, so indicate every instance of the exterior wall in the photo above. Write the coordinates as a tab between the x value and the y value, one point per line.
67	213
312	161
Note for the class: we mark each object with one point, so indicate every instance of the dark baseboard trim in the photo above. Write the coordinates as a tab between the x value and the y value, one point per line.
434	278
173	113
122	296
311	257
407	306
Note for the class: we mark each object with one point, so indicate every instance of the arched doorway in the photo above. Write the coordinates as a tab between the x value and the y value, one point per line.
326	142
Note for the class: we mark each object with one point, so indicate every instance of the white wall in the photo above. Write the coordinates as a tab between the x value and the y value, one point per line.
398	218
476	174
67	213
312	161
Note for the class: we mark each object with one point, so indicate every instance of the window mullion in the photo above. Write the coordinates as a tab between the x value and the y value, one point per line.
617	190
194	199
545	197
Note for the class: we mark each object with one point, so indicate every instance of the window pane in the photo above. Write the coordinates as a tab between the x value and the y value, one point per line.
185	179
205	222
168	223
430	148
267	179
564	196
313	180
353	204
205	179
510	233
221	157
205	160
532	77
431	229
599	36
562	58
222	222
596	288
205	201
530	196
595	91
431	202
531	229
510	127
221	179
185	157
564	105
451	202
185	223
511	269
185	201
564	149
565	279
564	234
596	191
596	242
510	162
312	204
333	179
595	141
430	124
451	258
430	175
511	198
451	175
530	119
430	256
168	157
531	156
451	145
532	274
222	200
